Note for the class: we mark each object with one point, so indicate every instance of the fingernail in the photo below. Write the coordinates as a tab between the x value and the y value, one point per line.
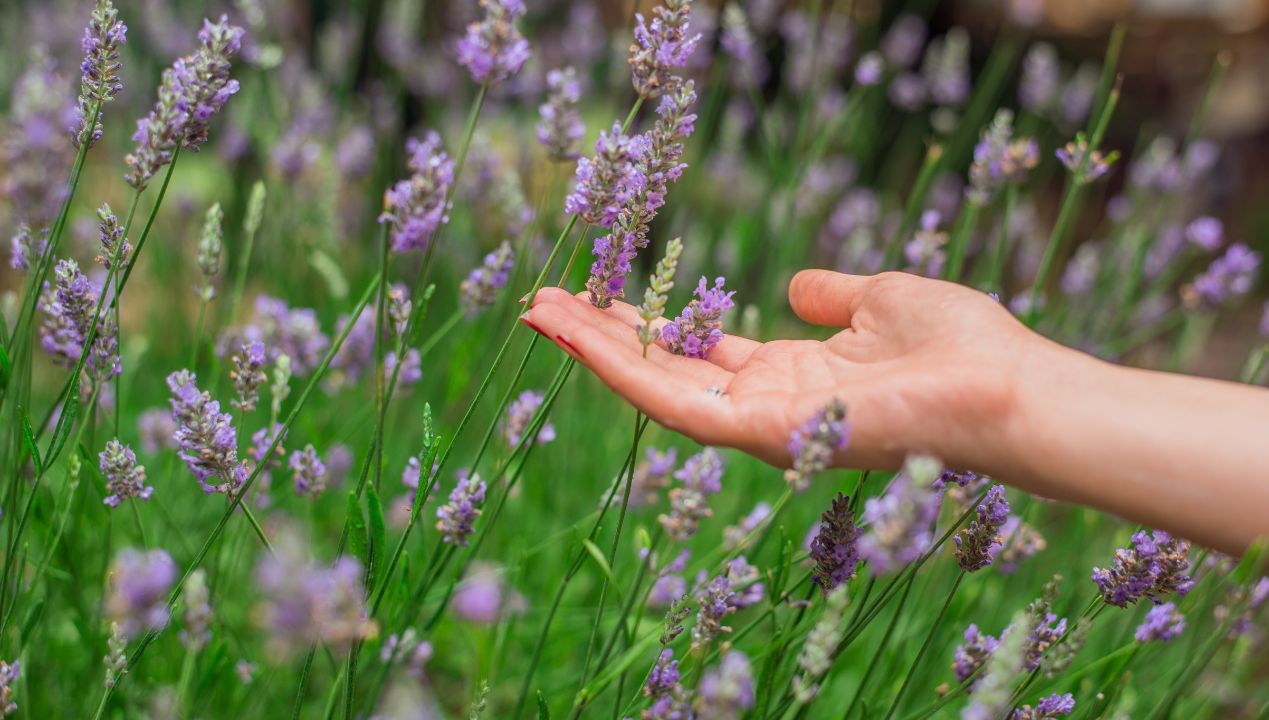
524	299
573	348
524	318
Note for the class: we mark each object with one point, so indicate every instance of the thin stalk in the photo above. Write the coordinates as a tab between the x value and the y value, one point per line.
929	167
1000	253
440	332
881	648
960	240
929	637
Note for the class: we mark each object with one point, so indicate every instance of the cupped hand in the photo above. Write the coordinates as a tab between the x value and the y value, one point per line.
922	365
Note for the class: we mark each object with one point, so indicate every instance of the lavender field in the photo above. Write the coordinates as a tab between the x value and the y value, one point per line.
282	436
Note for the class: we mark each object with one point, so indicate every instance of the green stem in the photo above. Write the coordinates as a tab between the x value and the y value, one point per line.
929	637
881	648
960	240
933	159
440	333
1000	253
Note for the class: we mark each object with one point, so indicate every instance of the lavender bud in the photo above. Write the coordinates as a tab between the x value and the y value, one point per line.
870	69
156	429
481	287
116	658
900	522
139	584
1206	233
493	48
207	439
973	653
255	209
605	182
520	413
699	327
946	68
9	674
813	445
248	375
700	476
560	129
399	307
1227	278
926	251
209	248
70	306
457	517
1162	623
1155	566
99	71
835	548
125	478
657	294
726	691
715	604
26	247
414	208
1084	171
1051	706
308	471
198	612
669	699
660	47
999	159
1038	86
110	237
818	652
977	544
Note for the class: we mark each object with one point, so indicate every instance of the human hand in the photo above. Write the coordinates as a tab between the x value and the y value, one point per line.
922	365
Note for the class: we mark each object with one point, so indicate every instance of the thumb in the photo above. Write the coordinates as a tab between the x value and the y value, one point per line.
824	297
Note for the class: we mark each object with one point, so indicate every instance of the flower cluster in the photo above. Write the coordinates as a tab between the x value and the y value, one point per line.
125	477
735	536
114	247
977	545
901	522
714	602
1085	167
664	688
207	439
1019	541
99	72
198	612
835	547
603	184
1050	706
414	208
1000	159
726	691
657	294
820	648
9	674
493	48
926	252
972	654
480	288
1229	276
308	471
701	476
248	375
70	306
1162	623
661	46
698	328
813	445
456	518
652	475
560	129
293	332
210	243
520	413
1156	566
139	584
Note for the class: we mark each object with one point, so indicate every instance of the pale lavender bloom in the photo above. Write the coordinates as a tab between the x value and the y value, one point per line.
308	471
9	674
603	184
972	654
1157	168
946	68
926	252
1076	101
1049	707
411	368
99	71
295	152
661	46
664	689
726	691
1166	248
157	429
207	438
35	152
651	476
457	517
414	208
1156	566
1038	86
744	578
560	128
480	288
306	603
339	460
1200	157
260	441
519	415
1206	233
245	671
670	584
355	153
902	43
125	477
737	40
1229	277
1084	171
110	239
734	535
1162	623
701	476
813	444
294	332
248	375
900	523
70	306
699	327
26	247
399	308
715	601
198	612
977	545
493	49
1020	541
356	356
483	597
860	208
1081	272
1000	159
870	69
139	585
1245	623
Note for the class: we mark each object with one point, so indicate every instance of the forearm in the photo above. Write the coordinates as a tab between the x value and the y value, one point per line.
1184	454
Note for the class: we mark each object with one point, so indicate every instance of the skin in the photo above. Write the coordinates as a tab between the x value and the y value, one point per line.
934	367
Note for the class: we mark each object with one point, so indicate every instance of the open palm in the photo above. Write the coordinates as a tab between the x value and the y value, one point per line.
922	365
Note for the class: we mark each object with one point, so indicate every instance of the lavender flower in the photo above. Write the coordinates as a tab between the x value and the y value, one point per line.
1230	276
902	43
116	659
701	476
670	585
1077	95
1155	566
1243	625
99	71
926	251
70	306
560	129
25	247
835	548
411	367
207	439
946	68
1051	706
900	523
999	159
493	49
1020	541
604	183
293	332
738	42
1038	86
139	584
306	603
973	653
125	478
816	658
665	689
651	476
744	578
726	691
209	247
9	674
1085	170
699	327
657	294
248	375
481	287
977	544
520	414
111	240
907	91
870	69
735	536
715	604
1162	623
660	47
1206	233
483	597
457	517
260	442
198	612
414	208
995	688
812	445
308	471
156	428
34	150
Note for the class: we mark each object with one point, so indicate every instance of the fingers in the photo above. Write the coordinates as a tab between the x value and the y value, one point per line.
730	353
671	395
823	297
